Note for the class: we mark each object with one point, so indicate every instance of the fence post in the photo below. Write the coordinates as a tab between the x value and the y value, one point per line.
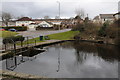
27	42
21	43
5	47
15	54
35	42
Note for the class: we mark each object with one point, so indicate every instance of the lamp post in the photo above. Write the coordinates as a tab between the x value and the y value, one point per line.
59	11
59	7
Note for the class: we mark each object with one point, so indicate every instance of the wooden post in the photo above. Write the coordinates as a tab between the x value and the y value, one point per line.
27	42
5	47
21	43
35	42
15	53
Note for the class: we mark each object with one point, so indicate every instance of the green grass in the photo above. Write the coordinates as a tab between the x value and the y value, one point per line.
4	34
64	35
58	36
31	41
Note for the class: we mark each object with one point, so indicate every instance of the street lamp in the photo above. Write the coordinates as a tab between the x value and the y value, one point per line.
59	11
59	7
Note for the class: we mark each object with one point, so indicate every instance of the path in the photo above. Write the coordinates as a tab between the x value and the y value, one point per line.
41	32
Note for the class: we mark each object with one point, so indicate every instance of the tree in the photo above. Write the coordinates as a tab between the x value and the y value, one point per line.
46	17
6	18
102	31
57	17
80	13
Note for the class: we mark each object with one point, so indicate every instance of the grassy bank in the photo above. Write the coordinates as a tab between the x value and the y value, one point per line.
31	41
64	35
57	36
4	34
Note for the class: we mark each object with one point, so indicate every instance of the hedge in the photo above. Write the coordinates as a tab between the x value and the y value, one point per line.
18	28
44	28
13	39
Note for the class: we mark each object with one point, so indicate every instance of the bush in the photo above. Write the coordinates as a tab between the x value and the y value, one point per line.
13	39
79	27
18	28
102	31
77	37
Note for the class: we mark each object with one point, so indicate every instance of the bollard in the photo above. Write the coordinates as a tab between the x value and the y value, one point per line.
41	38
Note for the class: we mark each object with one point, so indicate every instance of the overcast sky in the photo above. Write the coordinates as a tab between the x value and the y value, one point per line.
41	8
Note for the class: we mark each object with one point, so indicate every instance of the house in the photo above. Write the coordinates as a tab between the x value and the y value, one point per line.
32	26
24	21
96	19
45	24
10	23
2	24
107	17
117	15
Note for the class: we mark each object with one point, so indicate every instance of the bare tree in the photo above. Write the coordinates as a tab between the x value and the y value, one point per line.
80	12
46	17
6	18
18	17
57	17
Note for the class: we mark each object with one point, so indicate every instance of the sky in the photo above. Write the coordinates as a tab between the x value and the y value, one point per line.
40	8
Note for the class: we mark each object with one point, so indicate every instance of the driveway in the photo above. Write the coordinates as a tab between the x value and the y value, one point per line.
41	32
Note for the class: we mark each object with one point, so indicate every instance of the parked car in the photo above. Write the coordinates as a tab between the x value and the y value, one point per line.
1	29
14	30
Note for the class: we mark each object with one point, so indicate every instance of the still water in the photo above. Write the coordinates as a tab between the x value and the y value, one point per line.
74	60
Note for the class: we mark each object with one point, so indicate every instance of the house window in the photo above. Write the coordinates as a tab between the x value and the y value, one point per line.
45	25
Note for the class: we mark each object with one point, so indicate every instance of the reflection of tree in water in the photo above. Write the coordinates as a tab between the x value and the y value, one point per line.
108	52
84	49
80	56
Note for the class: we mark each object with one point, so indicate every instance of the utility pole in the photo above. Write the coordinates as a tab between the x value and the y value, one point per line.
59	11
59	7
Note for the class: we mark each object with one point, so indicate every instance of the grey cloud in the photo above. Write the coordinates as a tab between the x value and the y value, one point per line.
42	8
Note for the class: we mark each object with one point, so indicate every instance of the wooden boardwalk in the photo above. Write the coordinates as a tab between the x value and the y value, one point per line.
47	42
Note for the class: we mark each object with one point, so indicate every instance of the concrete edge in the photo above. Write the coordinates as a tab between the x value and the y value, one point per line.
19	75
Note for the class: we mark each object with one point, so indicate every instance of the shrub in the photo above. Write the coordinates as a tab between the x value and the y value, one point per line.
102	31
13	39
79	27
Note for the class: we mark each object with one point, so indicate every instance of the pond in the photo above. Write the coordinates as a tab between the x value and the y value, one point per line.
74	59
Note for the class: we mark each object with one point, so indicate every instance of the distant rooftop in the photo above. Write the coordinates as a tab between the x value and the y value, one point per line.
102	16
25	19
117	14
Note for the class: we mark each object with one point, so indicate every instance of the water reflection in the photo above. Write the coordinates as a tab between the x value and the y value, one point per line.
74	60
82	49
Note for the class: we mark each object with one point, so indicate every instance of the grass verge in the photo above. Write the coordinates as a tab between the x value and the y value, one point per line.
64	35
4	34
31	41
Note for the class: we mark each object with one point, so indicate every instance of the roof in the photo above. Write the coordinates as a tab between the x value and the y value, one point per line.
49	23
33	23
102	16
96	18
25	19
50	19
116	14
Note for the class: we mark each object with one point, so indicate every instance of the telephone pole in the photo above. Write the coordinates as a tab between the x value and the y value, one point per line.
59	7
59	11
